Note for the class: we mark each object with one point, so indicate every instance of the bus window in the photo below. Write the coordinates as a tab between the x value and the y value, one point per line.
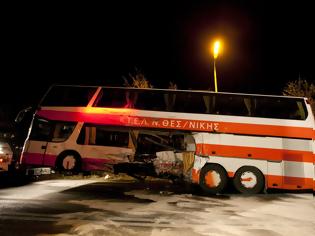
41	130
153	141
117	98
301	112
68	96
268	108
111	138
249	106
190	103
226	104
150	142
169	99
209	101
103	136
150	100
280	108
62	131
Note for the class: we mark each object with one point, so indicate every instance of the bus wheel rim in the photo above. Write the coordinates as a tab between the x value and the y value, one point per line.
212	179
68	163
248	179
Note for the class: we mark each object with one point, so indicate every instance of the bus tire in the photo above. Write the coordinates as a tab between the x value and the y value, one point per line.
69	162
213	178
249	180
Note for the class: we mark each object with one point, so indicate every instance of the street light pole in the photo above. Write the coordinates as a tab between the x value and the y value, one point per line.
215	77
216	49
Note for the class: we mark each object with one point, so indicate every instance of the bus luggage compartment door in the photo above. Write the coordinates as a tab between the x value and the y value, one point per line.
275	174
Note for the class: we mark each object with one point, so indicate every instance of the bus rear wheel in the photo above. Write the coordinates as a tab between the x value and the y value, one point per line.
213	178
69	162
248	180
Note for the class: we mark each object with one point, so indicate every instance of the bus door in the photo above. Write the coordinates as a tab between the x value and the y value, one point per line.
37	142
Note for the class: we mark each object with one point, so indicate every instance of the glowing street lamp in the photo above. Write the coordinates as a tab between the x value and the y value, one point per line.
216	50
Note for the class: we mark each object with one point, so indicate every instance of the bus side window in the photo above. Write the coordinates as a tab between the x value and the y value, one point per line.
301	110
272	108
87	135
233	105
295	110
103	136
41	130
248	105
90	135
152	143
169	99
131	98
62	131
181	103
150	100
190	103
113	98
111	138
261	109
209	102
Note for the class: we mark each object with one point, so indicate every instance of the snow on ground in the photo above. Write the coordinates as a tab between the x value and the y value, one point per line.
186	214
35	189
147	210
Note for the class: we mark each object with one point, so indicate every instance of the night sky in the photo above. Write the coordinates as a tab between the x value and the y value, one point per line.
265	45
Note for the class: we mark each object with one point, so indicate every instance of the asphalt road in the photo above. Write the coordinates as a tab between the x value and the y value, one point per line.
98	206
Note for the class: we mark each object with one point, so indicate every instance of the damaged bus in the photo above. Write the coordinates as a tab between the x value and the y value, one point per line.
257	141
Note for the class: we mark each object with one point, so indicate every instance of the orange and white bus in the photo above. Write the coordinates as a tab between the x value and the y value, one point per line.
258	141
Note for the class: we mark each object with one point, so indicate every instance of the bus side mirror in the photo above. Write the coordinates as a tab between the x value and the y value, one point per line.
20	116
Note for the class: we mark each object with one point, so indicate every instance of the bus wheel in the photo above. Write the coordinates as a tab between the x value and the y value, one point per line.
69	161
213	178
249	180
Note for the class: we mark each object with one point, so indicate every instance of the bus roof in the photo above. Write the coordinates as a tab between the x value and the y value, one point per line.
177	90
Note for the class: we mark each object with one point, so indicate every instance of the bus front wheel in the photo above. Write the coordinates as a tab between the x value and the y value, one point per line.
69	162
213	178
248	180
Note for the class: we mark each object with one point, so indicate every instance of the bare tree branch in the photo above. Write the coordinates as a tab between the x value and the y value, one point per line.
301	88
137	80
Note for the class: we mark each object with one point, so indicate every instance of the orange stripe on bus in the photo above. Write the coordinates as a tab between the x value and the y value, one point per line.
254	153
270	130
290	183
129	119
